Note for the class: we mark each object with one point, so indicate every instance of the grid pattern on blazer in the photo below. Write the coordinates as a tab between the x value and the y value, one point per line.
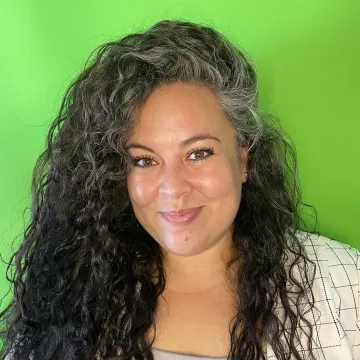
337	296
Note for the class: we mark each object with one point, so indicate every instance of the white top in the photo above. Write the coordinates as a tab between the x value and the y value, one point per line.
167	355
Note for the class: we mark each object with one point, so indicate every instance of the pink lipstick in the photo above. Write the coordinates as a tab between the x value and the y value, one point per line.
182	217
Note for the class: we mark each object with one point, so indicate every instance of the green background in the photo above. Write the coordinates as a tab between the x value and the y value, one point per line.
306	54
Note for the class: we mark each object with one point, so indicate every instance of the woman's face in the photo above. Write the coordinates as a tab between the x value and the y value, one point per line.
185	157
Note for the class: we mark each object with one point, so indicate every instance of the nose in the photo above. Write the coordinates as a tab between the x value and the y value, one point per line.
174	181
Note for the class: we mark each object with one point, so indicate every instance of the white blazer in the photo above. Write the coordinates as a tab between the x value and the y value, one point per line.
337	295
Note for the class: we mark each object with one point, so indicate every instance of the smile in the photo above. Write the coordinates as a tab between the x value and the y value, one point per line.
181	218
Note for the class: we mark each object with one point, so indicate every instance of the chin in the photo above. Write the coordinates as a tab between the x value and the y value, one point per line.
179	246
184	252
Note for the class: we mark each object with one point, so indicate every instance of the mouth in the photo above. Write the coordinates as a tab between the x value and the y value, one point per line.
182	217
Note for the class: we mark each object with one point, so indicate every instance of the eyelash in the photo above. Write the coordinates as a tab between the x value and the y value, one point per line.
210	152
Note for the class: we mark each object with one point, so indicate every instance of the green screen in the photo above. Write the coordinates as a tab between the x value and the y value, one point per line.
306	54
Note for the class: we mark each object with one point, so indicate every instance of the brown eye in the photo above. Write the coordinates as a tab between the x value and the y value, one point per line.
143	161
200	154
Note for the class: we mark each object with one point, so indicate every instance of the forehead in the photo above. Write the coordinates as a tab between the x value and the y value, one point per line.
180	110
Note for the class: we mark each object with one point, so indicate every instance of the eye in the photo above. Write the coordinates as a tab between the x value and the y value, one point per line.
142	161
200	154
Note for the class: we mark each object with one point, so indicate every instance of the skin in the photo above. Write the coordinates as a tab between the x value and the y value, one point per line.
194	312
194	254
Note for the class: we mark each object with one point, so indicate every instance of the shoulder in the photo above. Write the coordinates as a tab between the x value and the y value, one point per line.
340	259
337	279
338	262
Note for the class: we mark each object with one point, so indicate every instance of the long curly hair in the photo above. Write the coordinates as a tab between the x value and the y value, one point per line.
83	281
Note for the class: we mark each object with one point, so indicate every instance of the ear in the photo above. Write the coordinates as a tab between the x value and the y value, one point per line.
244	161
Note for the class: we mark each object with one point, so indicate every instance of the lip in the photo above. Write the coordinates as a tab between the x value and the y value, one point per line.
182	217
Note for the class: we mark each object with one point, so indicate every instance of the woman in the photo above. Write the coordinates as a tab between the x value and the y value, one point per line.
165	219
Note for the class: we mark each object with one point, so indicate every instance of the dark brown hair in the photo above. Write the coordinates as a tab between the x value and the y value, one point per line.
83	286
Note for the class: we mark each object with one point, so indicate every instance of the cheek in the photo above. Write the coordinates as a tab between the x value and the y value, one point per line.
219	181
141	190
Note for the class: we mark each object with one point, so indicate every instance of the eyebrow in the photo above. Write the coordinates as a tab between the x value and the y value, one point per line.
183	144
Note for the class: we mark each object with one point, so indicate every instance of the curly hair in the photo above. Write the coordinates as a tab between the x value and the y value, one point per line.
84	284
